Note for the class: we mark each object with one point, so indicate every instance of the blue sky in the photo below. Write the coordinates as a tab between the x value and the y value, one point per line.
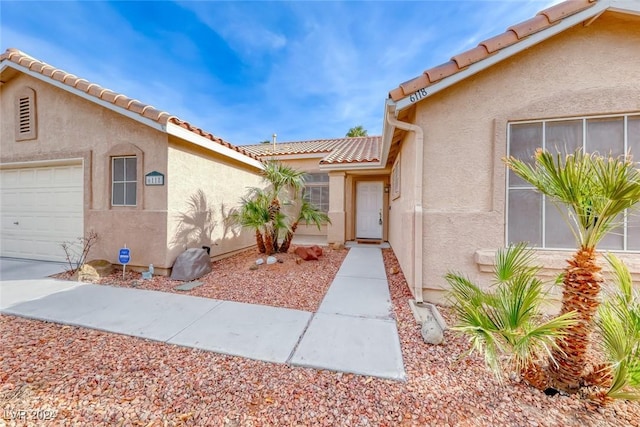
246	70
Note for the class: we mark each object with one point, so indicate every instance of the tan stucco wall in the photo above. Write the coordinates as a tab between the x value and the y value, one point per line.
583	71
401	215
222	181
72	127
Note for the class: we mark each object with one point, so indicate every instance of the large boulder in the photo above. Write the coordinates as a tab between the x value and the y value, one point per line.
191	264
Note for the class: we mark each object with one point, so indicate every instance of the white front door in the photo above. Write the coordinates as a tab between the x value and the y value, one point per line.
369	209
41	207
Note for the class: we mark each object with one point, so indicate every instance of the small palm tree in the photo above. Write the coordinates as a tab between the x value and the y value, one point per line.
253	213
309	214
284	182
356	131
619	325
595	191
505	325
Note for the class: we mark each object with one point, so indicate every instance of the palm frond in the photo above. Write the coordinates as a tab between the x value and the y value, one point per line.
515	260
309	214
505	325
596	189
619	324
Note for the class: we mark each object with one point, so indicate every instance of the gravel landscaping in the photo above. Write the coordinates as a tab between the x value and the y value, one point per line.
84	377
289	283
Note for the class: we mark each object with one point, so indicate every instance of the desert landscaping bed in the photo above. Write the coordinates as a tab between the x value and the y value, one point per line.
87	377
289	283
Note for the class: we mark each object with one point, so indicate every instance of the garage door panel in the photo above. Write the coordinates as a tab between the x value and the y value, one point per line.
42	207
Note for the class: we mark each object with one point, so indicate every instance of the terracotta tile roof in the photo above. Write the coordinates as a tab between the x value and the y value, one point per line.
363	149
117	99
514	34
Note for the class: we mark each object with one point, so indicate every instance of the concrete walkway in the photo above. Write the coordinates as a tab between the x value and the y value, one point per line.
353	330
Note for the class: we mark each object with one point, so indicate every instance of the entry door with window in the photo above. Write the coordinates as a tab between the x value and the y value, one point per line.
369	209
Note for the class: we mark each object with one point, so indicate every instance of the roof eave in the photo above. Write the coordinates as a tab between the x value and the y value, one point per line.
192	137
501	55
7	63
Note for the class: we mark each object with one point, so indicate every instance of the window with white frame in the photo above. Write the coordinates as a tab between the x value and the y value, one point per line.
124	181
532	217
316	190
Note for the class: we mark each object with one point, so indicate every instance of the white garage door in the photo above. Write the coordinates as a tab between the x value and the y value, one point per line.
41	207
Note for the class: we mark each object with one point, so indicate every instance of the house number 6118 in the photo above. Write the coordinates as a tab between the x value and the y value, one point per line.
417	96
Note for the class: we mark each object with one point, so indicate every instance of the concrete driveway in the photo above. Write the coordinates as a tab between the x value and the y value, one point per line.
26	280
23	269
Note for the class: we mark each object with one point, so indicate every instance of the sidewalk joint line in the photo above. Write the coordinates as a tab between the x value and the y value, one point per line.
295	347
194	321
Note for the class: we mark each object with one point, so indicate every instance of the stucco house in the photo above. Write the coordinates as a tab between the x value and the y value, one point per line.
76	157
435	183
344	179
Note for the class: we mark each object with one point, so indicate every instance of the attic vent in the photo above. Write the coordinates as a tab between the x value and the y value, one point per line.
26	115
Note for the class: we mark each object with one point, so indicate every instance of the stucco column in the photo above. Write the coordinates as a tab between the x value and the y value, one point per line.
336	230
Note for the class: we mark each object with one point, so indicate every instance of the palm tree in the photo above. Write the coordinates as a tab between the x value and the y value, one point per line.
284	182
310	215
595	191
505	324
356	131
254	213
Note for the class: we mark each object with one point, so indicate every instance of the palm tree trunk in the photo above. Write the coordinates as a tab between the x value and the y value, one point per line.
581	288
268	242
286	243
260	242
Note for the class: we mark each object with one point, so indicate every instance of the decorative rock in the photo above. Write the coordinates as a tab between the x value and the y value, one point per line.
101	266
306	253
432	332
271	260
191	264
87	273
317	250
188	286
259	261
253	267
337	246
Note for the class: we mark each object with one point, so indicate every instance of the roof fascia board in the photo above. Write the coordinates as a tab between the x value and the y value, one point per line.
505	53
130	114
353	166
187	135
